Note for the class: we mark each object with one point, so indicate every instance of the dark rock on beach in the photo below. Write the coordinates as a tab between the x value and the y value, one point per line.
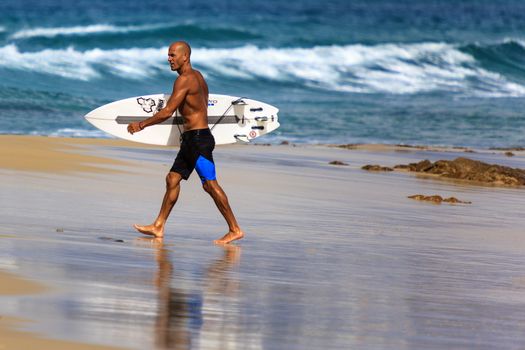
337	162
471	170
376	167
422	166
507	148
348	146
412	146
437	199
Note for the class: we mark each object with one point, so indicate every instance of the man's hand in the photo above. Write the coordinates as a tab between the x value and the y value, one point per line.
135	127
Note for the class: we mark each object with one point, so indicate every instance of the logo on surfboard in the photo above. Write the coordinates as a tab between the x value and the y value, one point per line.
147	104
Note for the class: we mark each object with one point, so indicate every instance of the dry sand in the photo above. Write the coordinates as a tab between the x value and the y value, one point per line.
53	155
378	270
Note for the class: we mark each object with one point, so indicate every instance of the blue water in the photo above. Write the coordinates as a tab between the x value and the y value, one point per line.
429	72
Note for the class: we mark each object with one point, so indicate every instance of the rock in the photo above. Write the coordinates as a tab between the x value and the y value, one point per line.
402	167
376	167
507	148
509	154
471	170
348	146
285	142
337	162
421	197
412	146
455	200
421	166
437	199
60	230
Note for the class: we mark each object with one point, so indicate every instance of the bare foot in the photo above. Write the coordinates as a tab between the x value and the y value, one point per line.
150	230
229	237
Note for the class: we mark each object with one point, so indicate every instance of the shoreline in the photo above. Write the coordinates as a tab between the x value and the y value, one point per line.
379	147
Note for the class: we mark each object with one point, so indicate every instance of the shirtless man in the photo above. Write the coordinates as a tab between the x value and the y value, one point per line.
190	96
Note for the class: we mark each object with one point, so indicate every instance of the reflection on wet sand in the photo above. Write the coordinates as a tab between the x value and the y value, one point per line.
222	313
181	314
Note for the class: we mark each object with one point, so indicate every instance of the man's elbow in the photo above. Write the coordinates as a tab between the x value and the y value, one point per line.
169	110
166	113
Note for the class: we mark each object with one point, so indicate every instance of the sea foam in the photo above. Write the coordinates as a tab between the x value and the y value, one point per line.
387	68
82	30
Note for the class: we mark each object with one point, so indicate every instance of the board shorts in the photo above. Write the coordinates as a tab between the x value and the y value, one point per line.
195	152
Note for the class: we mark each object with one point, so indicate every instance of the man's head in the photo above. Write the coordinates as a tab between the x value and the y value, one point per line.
179	54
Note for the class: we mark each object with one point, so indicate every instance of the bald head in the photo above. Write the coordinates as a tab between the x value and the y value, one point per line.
182	47
179	55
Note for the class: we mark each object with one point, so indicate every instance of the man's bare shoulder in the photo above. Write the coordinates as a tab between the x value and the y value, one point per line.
183	81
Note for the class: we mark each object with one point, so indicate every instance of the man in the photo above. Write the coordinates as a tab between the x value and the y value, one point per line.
190	97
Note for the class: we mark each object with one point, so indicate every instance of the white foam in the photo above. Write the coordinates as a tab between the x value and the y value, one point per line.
520	42
71	132
81	30
388	68
84	65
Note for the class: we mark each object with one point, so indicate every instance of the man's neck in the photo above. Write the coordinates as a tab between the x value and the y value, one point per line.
184	69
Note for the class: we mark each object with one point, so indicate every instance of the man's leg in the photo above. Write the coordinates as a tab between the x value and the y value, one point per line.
221	201
170	198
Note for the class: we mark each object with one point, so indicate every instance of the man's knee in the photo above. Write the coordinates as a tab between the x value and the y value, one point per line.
210	186
172	179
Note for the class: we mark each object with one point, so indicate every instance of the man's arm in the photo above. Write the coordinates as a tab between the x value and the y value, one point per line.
180	90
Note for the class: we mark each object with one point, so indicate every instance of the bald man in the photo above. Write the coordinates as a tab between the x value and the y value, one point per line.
190	97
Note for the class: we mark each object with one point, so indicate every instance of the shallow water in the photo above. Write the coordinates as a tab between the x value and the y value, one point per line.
326	263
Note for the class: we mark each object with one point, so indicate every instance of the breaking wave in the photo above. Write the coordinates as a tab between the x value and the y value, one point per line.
149	30
387	68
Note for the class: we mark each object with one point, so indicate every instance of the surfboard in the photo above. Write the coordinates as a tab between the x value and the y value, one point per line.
231	119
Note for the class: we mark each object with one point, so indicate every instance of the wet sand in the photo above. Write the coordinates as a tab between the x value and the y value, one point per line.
334	257
10	335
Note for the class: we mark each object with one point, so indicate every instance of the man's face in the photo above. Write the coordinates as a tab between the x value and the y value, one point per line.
175	57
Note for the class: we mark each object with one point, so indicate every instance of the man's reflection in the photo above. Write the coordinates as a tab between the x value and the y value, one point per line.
179	313
176	309
217	280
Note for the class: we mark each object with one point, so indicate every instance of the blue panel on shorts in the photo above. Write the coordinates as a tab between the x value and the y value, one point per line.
205	169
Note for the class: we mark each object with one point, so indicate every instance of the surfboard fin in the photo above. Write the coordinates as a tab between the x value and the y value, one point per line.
242	138
238	109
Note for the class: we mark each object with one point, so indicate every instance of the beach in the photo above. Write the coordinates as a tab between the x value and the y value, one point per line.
334	256
385	212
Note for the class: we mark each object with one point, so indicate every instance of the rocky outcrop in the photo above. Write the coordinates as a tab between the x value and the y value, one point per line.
437	199
376	167
471	170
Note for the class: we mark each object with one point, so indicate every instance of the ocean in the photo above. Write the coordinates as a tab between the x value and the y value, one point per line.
447	72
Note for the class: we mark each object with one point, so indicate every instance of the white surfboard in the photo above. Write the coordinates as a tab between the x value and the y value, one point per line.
231	119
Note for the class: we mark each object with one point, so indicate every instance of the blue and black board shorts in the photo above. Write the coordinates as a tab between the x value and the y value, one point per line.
195	152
